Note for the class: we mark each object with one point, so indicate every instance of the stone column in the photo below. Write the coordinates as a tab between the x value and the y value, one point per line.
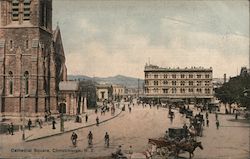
81	105
85	105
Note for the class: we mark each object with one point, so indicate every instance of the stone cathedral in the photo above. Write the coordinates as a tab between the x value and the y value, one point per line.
32	61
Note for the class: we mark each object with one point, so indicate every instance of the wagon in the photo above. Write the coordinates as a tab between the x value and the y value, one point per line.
176	133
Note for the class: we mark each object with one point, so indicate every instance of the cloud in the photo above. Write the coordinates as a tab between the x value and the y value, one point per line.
104	40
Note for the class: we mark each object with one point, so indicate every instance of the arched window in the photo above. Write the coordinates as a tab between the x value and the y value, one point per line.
11	44
26	78
11	83
27	44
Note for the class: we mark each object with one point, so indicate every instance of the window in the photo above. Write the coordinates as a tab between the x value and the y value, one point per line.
190	83
173	83
199	76
174	76
155	76
207	83
10	83
43	17
182	90
165	82
190	90
15	10
174	90
155	90
26	81
146	90
146	75
165	76
190	76
11	44
198	83
207	91
156	83
198	90
182	83
165	91
26	10
146	82
182	76
27	44
207	76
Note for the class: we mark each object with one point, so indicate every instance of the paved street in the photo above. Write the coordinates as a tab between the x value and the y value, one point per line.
230	141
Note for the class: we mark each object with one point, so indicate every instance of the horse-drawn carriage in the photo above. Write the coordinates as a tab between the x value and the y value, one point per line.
174	143
197	124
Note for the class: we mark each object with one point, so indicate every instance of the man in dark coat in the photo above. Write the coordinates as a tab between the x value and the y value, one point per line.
29	124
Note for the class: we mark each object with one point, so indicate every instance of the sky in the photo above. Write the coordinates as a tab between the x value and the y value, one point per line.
104	38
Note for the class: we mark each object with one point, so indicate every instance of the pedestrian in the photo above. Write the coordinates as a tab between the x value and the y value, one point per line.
12	128
236	116
129	109
97	121
130	152
53	124
86	118
217	124
74	138
96	110
206	115
46	117
40	123
216	116
90	139
207	123
9	131
185	130
106	139
29	124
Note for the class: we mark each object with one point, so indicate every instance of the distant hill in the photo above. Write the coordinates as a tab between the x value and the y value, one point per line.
129	82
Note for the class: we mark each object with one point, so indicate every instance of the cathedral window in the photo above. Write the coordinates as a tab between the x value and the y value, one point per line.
11	44
15	10
26	9
26	82
27	44
43	16
11	83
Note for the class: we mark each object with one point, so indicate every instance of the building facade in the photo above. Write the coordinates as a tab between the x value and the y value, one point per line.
71	101
32	61
103	92
118	92
175	83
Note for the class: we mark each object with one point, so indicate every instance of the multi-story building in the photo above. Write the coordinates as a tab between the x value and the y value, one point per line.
189	84
32	61
118	91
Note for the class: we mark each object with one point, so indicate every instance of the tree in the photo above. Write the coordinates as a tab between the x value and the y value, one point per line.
233	91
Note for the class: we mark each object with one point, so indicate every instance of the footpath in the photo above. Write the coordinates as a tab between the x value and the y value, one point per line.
46	131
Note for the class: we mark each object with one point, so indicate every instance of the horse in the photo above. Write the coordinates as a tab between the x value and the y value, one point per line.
189	147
